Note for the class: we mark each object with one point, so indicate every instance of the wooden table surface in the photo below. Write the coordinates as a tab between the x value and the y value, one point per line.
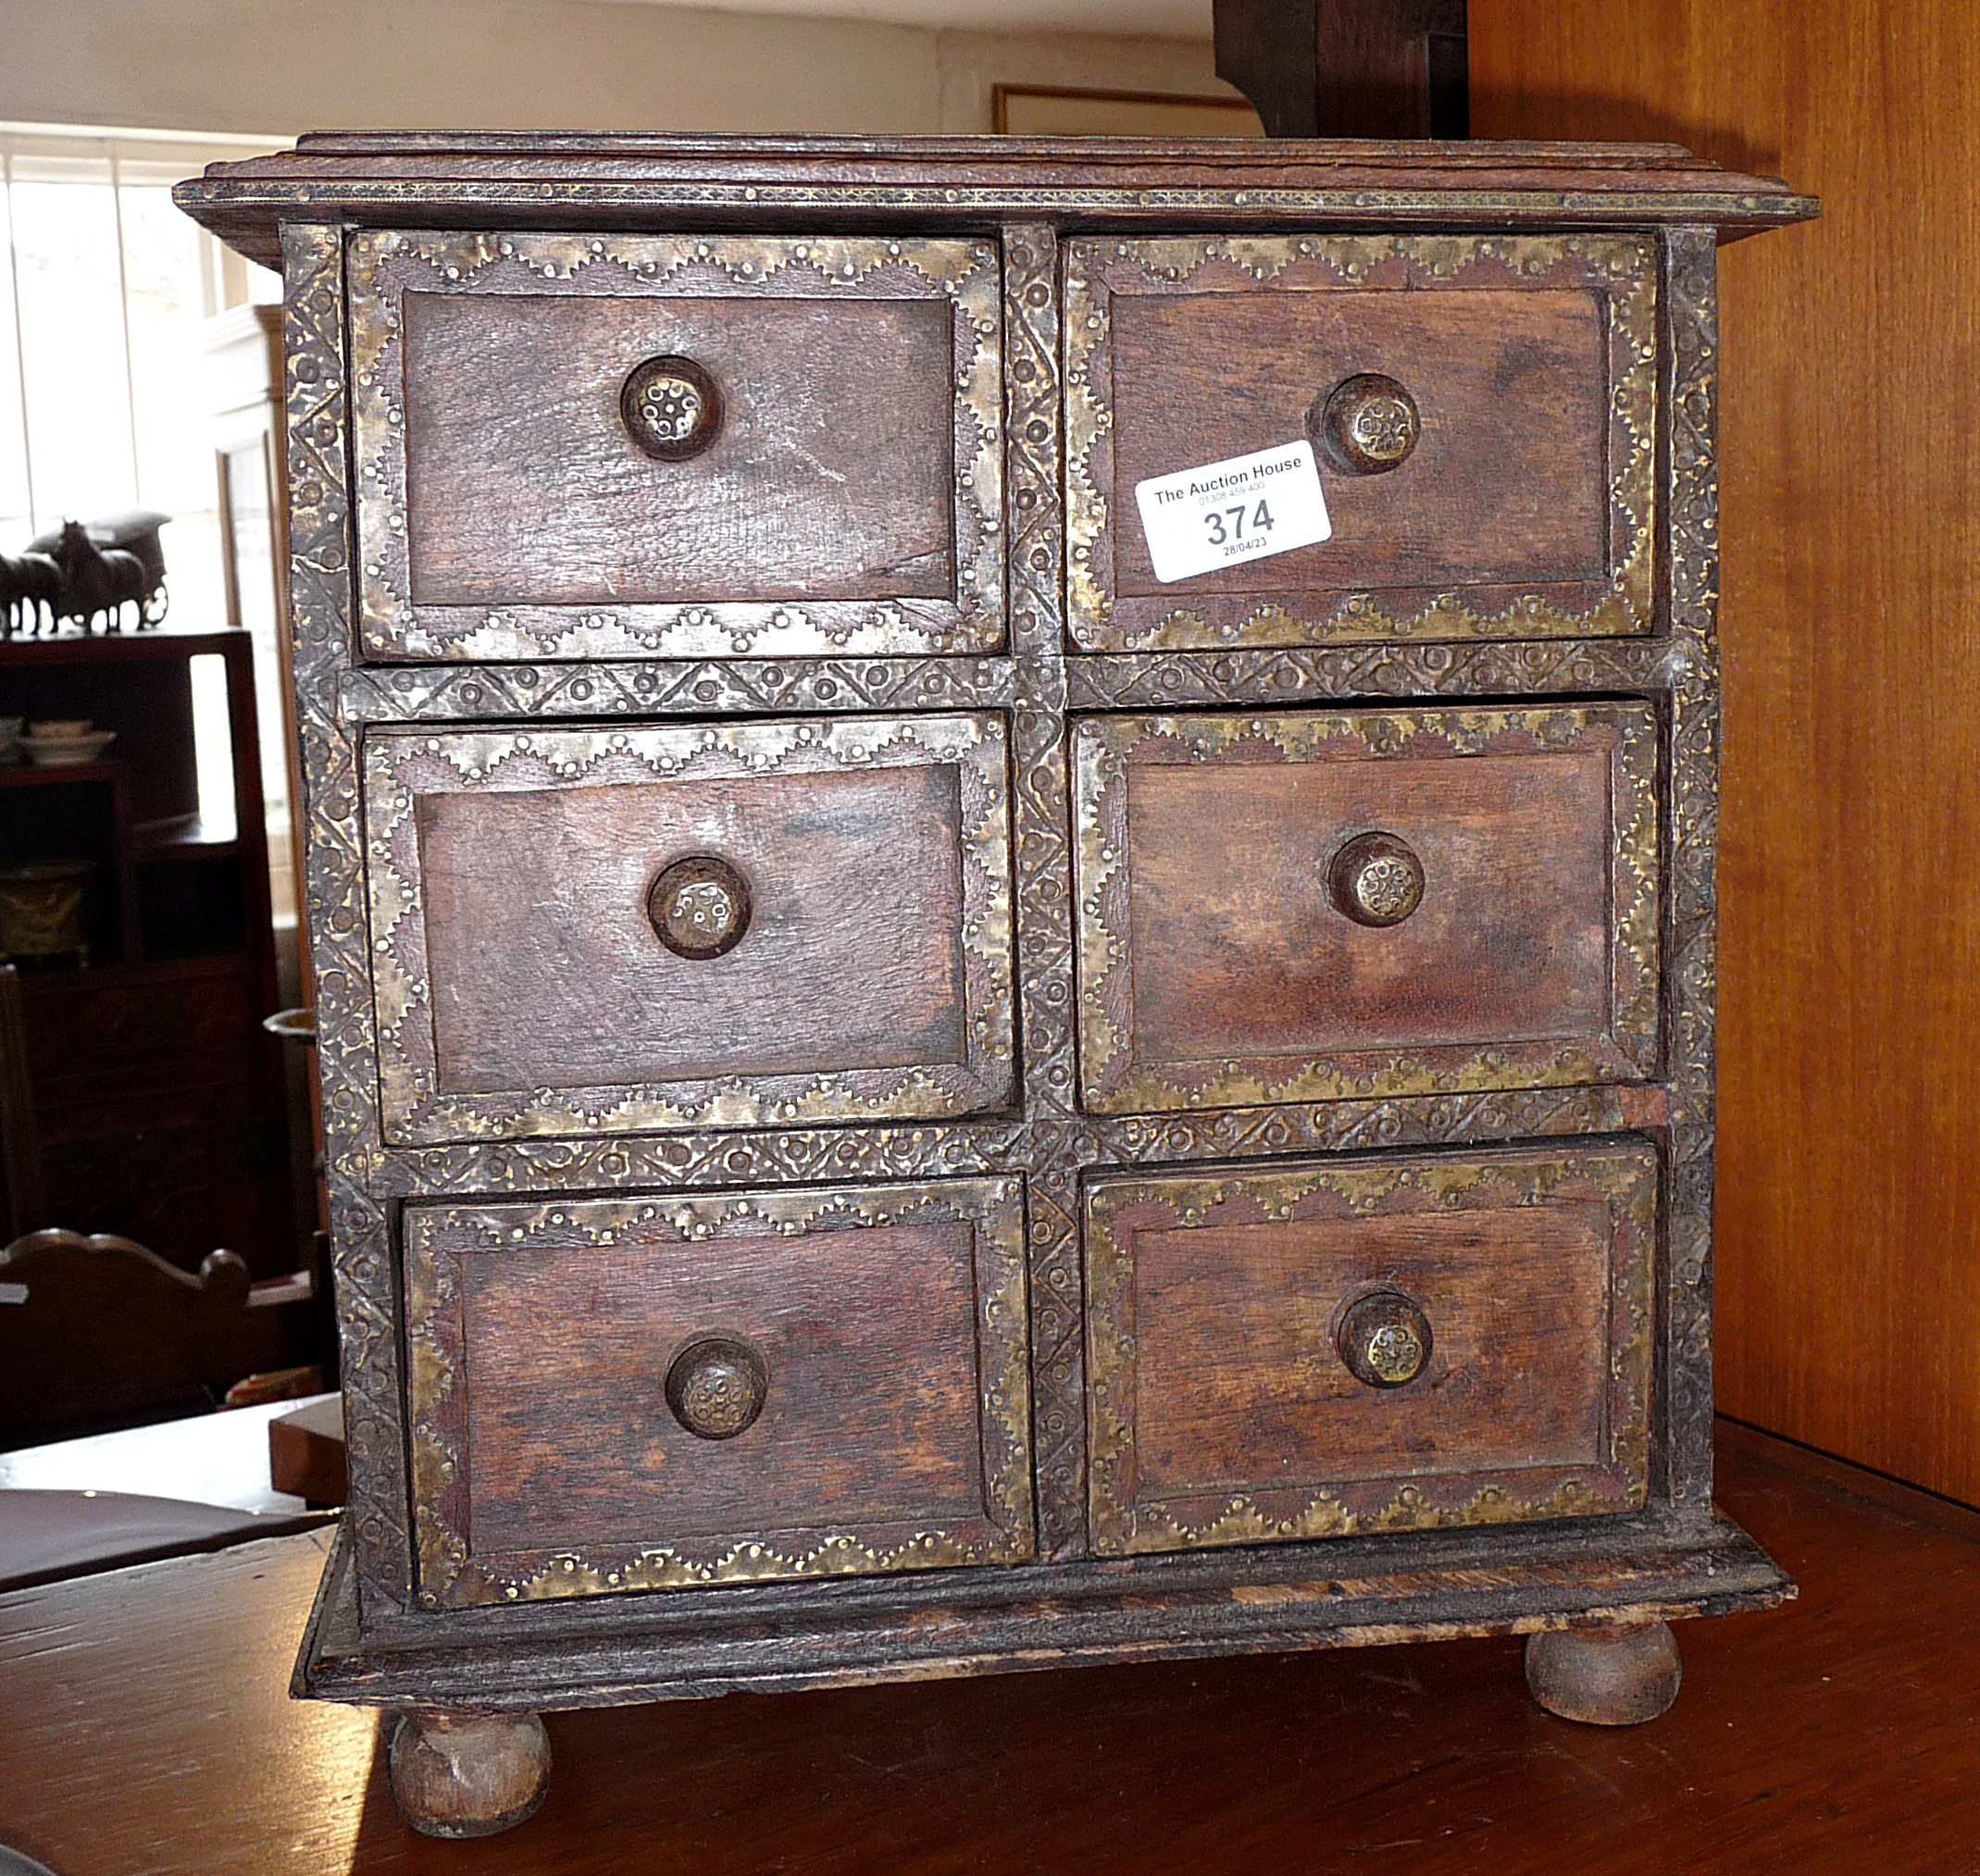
145	1726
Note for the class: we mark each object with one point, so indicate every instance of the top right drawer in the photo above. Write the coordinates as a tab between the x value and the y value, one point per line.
1482	410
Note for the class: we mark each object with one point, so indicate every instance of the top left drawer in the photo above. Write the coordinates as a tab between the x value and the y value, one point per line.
648	446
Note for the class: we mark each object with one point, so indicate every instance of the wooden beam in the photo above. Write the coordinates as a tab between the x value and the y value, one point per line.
1389	68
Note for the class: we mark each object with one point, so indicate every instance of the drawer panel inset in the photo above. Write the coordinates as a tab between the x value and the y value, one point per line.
746	925
672	1390
1341	904
1481	410
654	446
1368	1345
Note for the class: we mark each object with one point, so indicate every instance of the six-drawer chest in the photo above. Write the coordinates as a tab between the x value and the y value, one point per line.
909	1089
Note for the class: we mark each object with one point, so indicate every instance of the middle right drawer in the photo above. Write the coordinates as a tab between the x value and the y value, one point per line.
1358	903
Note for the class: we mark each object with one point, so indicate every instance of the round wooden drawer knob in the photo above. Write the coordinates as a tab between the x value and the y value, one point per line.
716	1387
1376	879
699	906
1367	424
1384	1337
672	407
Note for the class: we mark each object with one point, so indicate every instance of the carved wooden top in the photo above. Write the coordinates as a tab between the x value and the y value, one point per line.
565	179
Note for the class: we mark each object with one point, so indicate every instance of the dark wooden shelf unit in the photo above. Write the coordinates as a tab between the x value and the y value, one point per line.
157	1097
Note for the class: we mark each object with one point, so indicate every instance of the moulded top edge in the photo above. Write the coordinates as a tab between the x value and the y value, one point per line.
568	179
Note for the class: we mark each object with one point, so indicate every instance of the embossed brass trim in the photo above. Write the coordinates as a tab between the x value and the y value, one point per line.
314	378
1623	1176
1104	748
402	764
384	265
440	1238
1621	268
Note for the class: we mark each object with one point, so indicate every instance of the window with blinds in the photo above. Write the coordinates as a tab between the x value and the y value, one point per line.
107	396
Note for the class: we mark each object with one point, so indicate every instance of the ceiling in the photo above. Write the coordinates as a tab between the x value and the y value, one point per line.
1141	19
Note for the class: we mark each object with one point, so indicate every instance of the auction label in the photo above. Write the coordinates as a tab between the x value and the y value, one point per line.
1198	520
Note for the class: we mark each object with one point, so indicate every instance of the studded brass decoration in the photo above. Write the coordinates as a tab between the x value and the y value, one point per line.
1043	858
714	1380
1384	1338
1376	879
672	407
316	380
716	1385
1621	1177
1691	355
401	764
1113	1081
699	906
386	265
1621	268
1367	424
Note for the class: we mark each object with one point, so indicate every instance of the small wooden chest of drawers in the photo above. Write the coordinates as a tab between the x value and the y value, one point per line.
905	1096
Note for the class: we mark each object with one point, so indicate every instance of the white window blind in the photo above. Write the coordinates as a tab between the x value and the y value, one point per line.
104	379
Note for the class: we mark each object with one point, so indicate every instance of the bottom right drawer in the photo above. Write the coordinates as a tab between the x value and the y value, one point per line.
1368	1344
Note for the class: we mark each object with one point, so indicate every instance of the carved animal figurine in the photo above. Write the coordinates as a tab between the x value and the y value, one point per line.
32	584
42	588
13	592
134	531
99	582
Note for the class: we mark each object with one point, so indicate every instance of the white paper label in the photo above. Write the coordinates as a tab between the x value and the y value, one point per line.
1198	520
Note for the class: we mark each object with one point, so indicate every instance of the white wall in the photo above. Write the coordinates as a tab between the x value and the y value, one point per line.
284	65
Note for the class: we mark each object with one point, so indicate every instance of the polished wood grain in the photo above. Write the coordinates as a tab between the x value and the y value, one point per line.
547	971
1507	485
829	476
1849	1256
149	1729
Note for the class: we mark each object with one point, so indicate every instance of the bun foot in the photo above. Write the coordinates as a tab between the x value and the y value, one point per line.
1618	1676
462	1774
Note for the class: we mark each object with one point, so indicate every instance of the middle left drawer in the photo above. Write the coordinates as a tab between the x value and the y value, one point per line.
598	931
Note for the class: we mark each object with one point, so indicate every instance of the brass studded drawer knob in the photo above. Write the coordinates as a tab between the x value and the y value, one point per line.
1384	1338
1367	424
716	1385
672	407
1376	879
699	906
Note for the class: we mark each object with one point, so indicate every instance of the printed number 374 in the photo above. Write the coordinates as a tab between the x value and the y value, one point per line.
1229	524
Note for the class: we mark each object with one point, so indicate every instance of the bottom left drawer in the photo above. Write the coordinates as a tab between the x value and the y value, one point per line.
671	1391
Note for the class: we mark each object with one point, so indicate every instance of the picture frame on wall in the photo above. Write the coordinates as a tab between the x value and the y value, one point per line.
1062	111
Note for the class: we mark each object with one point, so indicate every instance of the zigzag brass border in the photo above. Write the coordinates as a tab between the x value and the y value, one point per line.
1623	1176
402	764
385	265
1620	268
1114	1080
439	1239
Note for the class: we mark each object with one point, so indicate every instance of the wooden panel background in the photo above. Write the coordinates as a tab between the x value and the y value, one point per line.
1848	1267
